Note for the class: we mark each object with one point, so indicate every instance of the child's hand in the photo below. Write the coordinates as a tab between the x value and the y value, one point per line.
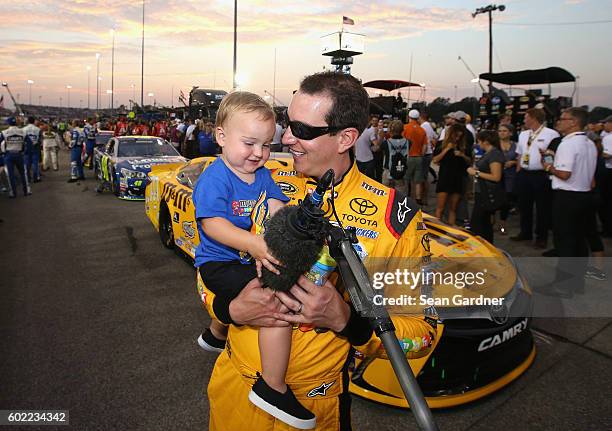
261	263
259	251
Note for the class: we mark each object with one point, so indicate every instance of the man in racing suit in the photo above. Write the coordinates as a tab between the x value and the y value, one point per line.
32	153
12	147
77	138
90	132
325	119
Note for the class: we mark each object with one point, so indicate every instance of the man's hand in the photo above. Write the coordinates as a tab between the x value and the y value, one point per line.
321	306
257	307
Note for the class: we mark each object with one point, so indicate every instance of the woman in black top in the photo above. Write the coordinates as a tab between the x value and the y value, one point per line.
508	147
488	168
452	156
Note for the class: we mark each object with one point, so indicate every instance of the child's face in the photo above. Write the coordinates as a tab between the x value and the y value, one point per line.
245	139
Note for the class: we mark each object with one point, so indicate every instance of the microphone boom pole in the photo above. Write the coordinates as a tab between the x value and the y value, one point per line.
361	292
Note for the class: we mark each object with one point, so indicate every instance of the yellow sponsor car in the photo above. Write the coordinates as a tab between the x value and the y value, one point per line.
480	348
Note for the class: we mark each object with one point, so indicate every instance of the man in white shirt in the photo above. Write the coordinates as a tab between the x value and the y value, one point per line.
363	148
533	185
607	130
431	141
573	175
606	187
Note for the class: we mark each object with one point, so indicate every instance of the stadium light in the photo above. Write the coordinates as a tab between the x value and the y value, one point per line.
97	81
112	31
490	9
88	90
68	101
30	82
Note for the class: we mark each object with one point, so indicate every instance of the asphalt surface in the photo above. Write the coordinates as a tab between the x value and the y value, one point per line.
97	318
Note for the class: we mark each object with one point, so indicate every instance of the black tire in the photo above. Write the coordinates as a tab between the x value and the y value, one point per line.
166	234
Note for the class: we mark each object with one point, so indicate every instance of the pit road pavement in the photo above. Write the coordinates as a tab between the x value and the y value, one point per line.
97	318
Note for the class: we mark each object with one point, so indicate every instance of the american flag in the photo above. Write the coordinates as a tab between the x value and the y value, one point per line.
346	20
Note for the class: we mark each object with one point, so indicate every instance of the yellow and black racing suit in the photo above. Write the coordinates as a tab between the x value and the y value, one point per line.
388	224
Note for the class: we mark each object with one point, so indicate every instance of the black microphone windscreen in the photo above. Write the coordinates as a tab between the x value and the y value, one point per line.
296	254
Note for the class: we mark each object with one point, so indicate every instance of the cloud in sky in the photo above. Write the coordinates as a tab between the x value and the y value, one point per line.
192	23
189	41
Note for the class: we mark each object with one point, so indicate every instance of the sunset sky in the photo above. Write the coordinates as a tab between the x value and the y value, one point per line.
190	42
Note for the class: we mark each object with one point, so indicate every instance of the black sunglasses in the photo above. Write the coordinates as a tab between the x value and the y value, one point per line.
304	131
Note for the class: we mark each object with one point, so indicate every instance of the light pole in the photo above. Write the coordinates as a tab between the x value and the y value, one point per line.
235	41
142	58
274	85
60	101
112	74
97	81
30	82
99	89
474	81
88	91
151	95
109	93
489	9
133	95
68	87
40	100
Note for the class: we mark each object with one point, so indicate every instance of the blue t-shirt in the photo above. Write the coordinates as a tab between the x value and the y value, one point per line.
219	192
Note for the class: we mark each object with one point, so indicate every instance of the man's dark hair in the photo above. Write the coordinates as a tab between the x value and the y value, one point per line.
580	115
350	102
489	136
31	120
424	115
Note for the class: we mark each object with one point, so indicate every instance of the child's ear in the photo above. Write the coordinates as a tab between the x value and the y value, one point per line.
220	136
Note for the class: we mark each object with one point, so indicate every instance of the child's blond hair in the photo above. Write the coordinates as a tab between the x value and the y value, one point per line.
243	101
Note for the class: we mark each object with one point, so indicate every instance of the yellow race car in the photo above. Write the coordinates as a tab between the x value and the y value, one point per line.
479	349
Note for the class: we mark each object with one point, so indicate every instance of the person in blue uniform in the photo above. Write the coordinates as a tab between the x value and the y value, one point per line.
90	136
77	139
32	153
12	147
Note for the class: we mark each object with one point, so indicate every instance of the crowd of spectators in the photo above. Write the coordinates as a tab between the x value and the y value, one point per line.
504	171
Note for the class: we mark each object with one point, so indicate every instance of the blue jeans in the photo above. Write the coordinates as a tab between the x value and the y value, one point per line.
12	161
32	160
76	164
89	151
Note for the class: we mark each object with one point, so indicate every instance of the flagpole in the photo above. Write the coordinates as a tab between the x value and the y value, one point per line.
410	80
